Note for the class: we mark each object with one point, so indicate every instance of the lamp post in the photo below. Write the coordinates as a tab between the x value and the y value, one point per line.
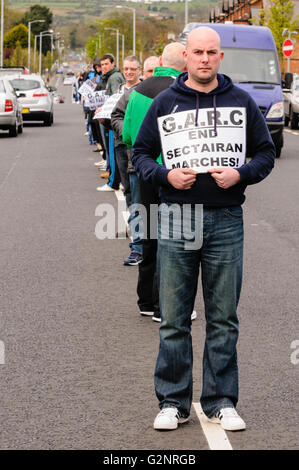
2	32
29	39
134	25
117	44
122	47
43	33
186	12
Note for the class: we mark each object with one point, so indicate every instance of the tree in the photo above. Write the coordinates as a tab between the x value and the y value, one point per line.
18	34
91	47
19	56
38	12
277	17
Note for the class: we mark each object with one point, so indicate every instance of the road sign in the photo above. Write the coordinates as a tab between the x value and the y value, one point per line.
287	47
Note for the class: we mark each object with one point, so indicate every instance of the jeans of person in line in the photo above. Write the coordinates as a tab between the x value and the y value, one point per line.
105	141
220	258
121	156
136	229
147	285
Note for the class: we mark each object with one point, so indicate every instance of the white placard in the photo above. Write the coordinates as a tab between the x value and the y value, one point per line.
86	88
108	107
185	145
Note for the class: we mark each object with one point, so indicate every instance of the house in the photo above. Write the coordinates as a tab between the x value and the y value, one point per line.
246	11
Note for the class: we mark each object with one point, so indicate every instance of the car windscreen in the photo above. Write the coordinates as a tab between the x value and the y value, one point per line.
250	65
2	89
22	85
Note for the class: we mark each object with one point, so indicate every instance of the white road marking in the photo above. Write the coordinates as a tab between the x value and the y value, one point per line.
215	435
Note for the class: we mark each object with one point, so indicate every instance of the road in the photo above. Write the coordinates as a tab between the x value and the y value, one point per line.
78	359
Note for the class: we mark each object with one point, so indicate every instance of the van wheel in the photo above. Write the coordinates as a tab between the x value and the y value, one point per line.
294	120
13	131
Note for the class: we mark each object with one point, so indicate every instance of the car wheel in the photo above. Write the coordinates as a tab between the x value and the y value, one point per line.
20	128
294	120
48	121
13	131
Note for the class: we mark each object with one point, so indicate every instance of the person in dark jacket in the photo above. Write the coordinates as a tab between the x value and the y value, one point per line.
205	127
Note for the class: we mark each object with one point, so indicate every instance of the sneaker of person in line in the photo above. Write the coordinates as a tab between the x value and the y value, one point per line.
157	316
229	420
146	313
101	164
168	419
121	187
86	133
133	259
105	188
105	175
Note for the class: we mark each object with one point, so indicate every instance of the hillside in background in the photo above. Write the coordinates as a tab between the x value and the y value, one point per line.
70	11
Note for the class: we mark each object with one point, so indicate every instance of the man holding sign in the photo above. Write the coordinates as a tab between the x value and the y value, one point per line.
205	127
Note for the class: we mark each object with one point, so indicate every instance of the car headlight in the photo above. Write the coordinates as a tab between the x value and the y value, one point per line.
276	111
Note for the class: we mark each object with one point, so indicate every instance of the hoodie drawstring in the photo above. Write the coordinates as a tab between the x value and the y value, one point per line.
197	110
215	123
197	107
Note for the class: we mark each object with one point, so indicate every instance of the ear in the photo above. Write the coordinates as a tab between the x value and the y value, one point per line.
160	61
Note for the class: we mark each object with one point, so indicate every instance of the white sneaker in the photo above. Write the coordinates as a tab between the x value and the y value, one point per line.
101	164
168	419
105	188
193	315
229	419
121	187
86	133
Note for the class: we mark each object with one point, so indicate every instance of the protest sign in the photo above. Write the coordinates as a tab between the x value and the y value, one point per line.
86	88
108	107
186	145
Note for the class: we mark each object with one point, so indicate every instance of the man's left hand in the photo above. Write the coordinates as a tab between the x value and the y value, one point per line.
225	177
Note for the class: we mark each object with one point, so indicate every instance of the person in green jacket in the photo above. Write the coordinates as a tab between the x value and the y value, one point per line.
172	63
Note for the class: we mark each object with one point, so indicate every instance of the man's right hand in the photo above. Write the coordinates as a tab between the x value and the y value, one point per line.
181	178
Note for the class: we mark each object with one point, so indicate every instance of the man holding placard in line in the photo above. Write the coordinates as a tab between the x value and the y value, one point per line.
205	127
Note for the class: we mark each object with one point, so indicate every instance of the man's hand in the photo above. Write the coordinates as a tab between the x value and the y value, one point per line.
225	177
181	178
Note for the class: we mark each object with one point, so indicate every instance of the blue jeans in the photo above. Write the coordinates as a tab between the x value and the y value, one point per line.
220	258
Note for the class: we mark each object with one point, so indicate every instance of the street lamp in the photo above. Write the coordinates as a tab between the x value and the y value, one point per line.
2	32
29	38
43	33
134	25
117	44
122	47
186	12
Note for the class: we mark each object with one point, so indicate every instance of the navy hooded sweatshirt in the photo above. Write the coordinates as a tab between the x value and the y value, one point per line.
179	97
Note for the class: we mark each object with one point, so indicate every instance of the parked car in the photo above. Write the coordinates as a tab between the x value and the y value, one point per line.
251	61
11	70
10	109
69	78
36	99
291	100
58	99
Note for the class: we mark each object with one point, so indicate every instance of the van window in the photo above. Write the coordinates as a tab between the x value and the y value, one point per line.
23	85
250	65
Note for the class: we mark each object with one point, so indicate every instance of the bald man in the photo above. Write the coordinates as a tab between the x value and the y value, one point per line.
205	128
149	66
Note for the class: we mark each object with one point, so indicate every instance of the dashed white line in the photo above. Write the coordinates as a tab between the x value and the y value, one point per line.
214	434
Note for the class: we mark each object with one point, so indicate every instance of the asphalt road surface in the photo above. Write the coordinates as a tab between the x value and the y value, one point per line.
77	358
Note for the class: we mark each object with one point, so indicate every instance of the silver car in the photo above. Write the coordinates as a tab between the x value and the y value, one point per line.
36	99
291	101
10	109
